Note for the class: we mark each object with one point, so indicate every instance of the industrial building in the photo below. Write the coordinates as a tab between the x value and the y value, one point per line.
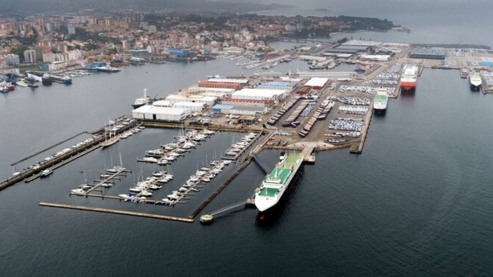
225	85
275	85
208	100
304	90
332	75
260	94
375	58
239	109
162	103
229	80
349	49
244	102
487	62
160	113
213	90
194	107
437	53
317	83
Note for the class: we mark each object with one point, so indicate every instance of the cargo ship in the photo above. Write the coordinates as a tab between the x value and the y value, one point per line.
381	100
409	77
475	80
277	182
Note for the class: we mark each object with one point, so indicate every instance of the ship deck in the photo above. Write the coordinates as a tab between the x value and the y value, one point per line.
380	98
269	192
282	172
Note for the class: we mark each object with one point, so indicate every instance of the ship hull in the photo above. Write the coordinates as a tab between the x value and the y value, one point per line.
136	106
380	111
408	86
109	142
47	82
475	87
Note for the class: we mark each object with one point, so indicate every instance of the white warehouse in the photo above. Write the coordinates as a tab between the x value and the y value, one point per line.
208	100
260	94
160	113
194	107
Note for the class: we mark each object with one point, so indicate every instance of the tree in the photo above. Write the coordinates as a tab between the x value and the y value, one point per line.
19	50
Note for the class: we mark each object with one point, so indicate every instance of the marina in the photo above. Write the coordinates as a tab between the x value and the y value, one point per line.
66	155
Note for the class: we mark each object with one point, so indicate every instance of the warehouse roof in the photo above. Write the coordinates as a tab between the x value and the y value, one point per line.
191	97
248	101
220	83
247	108
222	107
258	92
189	104
225	80
162	103
161	110
275	85
317	82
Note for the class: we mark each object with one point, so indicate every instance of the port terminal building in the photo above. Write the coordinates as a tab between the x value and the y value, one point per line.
149	112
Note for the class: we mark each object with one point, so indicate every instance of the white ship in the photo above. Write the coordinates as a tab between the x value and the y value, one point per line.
277	182
141	101
409	77
475	80
381	100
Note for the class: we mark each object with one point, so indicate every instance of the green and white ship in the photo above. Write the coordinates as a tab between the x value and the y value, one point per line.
277	181
381	100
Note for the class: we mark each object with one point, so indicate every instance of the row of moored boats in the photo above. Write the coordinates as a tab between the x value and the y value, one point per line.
202	176
106	180
237	148
168	153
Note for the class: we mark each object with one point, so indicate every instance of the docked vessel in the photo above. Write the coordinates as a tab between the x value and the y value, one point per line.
381	100
46	173
325	64
475	80
141	101
61	79
278	181
46	80
110	137
409	77
107	69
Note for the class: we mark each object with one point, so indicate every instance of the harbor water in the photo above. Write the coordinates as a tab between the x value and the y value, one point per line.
417	201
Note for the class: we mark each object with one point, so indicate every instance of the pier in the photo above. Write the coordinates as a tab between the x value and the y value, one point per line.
51	147
63	162
119	212
358	148
307	155
209	218
119	172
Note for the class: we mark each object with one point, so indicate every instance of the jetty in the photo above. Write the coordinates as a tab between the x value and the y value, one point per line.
119	212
